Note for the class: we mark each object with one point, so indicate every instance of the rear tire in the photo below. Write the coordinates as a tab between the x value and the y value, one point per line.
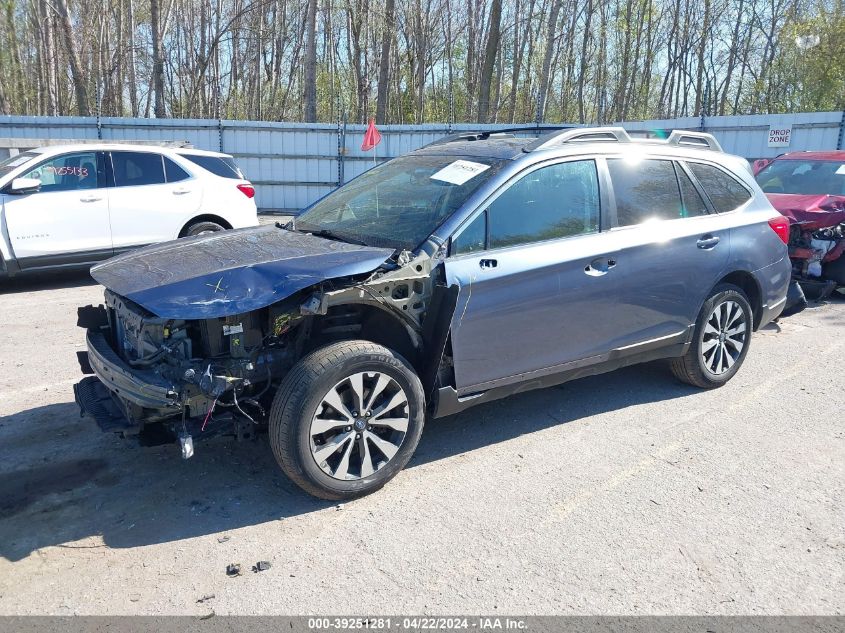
720	342
346	419
202	228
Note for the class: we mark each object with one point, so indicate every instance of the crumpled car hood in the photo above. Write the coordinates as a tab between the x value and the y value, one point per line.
231	272
813	212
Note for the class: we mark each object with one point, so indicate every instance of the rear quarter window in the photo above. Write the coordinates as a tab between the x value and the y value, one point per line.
724	191
645	190
173	172
221	166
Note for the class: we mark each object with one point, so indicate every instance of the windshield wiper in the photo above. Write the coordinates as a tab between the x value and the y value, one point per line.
327	233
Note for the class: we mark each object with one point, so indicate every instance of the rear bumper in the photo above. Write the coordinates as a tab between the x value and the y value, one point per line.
774	283
142	388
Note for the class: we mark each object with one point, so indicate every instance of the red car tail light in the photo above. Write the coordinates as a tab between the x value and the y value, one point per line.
249	192
780	225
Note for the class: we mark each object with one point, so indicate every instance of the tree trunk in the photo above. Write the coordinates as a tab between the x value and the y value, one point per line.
490	52
158	59
384	60
702	47
582	75
310	69
5	106
547	60
77	77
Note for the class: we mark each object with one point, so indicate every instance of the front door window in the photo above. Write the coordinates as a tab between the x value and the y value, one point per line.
69	172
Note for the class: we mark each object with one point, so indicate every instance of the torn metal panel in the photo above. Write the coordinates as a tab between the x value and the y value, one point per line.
404	291
232	272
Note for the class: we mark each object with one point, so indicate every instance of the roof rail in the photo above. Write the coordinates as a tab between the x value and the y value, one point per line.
694	139
579	135
465	136
701	140
485	134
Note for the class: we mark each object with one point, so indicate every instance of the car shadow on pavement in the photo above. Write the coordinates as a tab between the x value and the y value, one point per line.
46	281
62	480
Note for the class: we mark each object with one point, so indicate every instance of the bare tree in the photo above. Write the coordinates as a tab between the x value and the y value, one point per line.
310	62
384	60
491	51
419	60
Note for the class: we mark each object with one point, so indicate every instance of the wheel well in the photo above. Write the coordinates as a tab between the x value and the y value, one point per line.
751	287
367	322
206	217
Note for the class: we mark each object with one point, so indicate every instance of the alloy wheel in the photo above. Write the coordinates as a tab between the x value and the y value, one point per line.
724	337
359	425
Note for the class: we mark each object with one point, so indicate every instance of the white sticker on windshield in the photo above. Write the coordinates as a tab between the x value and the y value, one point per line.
841	170
459	172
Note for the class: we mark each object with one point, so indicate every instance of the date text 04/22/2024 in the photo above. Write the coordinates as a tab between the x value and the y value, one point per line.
417	624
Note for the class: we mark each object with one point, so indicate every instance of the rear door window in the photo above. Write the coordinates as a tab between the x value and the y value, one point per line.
133	169
222	166
724	191
560	200
645	190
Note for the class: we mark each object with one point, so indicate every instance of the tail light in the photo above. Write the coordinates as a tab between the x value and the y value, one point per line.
780	225
249	191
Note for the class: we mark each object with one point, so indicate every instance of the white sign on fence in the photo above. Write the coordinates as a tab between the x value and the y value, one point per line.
779	135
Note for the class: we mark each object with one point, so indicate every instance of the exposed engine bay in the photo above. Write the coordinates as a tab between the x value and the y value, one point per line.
219	375
818	258
816	240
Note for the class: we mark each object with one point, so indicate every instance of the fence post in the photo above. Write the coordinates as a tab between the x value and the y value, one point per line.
841	142
99	121
341	147
219	113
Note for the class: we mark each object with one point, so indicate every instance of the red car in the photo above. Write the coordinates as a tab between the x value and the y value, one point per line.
809	189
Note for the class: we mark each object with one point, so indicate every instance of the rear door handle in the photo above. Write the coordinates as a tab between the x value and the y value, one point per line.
181	191
488	263
707	242
90	198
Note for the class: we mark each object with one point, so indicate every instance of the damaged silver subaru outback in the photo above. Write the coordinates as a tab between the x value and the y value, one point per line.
476	267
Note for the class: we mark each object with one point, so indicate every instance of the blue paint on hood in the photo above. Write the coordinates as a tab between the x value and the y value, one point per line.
231	272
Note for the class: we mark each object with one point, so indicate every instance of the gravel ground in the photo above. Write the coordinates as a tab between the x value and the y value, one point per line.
626	493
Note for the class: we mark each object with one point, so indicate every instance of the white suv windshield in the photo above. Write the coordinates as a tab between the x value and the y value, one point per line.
400	203
13	162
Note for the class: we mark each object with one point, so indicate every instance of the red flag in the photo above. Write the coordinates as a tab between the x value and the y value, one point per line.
371	137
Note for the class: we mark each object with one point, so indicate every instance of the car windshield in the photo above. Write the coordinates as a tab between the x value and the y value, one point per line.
13	162
803	177
399	203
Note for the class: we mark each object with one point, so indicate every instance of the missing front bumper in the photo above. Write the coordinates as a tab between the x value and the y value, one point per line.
143	389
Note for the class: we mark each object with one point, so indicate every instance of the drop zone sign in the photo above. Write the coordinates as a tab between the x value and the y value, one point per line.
779	136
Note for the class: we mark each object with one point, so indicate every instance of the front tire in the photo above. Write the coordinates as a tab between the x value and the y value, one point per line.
346	419
720	342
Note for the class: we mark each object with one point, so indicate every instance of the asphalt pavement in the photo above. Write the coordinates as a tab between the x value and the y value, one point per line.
627	493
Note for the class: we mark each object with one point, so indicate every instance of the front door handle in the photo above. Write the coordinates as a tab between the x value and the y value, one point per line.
600	266
90	198
487	263
706	242
181	191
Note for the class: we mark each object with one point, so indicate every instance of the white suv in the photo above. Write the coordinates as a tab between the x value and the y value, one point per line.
74	205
